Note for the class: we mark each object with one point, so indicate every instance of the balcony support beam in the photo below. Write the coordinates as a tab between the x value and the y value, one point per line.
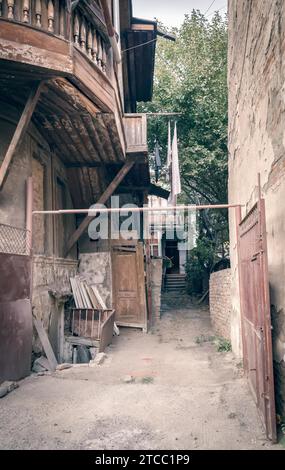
102	200
20	131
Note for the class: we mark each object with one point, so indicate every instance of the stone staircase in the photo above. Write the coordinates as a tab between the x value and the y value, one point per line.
175	282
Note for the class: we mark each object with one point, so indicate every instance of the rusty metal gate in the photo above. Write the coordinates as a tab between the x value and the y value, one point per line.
255	313
15	303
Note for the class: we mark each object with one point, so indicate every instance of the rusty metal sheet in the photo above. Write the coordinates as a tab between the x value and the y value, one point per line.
15	316
15	339
15	277
255	313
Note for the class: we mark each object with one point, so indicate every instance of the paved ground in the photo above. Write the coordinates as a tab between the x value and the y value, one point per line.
185	395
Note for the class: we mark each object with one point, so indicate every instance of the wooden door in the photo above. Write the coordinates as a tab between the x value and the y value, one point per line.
129	296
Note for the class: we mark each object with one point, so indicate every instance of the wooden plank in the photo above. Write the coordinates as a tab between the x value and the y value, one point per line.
132	325
142	27
93	298
106	333
73	287
102	200
45	343
98	297
36	48
87	301
141	284
82	341
92	82
74	293
20	131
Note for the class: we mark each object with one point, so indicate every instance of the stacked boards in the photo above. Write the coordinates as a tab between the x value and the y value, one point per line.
86	296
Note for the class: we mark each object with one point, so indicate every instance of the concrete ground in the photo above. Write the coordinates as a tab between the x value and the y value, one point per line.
184	395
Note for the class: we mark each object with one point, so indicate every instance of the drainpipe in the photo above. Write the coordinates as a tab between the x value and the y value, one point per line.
111	31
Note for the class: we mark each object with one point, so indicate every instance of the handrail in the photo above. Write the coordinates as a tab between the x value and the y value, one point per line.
79	25
51	16
87	38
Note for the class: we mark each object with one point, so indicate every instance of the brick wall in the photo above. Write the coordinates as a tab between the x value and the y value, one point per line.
220	302
256	76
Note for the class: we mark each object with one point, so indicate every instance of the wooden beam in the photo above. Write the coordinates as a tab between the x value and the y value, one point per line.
84	165
102	200
20	131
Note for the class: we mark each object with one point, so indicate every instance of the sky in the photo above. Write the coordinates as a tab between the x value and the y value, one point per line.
171	12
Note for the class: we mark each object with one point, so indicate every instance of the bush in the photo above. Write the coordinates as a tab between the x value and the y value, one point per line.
198	267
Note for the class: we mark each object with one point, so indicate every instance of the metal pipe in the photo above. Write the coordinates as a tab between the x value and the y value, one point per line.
111	31
136	209
163	114
29	213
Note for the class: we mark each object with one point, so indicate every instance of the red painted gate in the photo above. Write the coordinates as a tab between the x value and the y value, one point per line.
255	313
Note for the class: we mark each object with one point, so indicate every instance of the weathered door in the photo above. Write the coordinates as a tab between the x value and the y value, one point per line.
256	318
129	297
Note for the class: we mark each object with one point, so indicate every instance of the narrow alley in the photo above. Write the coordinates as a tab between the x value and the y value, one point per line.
169	389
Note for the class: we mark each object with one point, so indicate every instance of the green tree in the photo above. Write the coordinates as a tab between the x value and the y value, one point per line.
191	78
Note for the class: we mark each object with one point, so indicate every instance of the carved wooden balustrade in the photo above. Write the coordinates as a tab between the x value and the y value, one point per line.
52	16
55	17
87	38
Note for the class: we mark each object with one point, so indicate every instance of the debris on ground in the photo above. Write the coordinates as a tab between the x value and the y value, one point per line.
42	334
41	364
93	352
116	329
7	387
128	379
99	359
64	366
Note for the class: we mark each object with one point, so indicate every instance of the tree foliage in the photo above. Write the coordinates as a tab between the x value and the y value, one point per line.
191	78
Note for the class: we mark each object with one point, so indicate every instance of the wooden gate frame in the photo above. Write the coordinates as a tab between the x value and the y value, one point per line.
254	223
124	245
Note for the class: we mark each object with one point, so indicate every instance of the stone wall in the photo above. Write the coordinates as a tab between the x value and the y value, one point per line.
256	75
220	302
35	158
50	274
96	268
156	282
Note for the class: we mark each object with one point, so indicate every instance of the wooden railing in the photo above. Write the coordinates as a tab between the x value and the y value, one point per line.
87	38
52	16
136	132
55	17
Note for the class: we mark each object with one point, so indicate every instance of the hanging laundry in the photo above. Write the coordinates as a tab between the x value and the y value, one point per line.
175	171
157	161
169	154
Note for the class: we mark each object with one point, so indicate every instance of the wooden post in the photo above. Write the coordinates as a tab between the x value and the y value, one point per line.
238	219
148	271
148	281
29	214
20	131
29	228
102	200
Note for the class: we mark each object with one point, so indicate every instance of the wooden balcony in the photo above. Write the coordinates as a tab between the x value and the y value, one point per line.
136	133
52	40
78	112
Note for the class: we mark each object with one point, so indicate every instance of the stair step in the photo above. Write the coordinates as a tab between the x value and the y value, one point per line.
175	282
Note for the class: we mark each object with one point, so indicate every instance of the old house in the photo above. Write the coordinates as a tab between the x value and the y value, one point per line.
71	75
256	145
